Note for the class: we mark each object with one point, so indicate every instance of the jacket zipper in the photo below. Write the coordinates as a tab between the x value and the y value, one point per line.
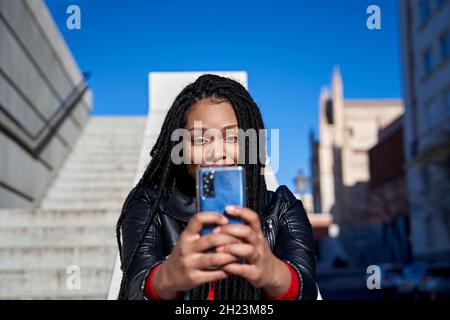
270	235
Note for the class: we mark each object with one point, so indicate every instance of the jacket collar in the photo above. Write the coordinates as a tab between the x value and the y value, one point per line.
182	207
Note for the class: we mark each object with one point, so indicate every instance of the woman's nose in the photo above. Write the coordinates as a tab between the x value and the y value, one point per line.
216	151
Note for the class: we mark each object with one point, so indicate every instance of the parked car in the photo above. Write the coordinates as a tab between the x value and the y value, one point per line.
390	275
412	274
435	284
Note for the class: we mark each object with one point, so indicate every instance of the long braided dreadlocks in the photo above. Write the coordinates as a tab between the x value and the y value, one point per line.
162	173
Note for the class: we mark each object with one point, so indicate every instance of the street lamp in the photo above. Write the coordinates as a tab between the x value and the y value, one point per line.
301	183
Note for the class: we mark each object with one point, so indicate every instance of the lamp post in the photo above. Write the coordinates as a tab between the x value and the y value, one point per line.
301	183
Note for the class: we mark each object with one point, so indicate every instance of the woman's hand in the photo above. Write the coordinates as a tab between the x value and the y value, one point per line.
263	269
187	265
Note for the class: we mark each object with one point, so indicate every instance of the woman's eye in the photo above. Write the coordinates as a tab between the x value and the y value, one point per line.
231	139
198	141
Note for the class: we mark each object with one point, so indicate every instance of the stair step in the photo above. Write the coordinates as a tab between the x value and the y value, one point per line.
111	129
36	283
90	296
94	184
92	198
98	157
53	204
129	164
86	196
57	256
92	149
107	147
83	175
123	127
37	218
94	167
100	181
64	193
67	176
108	136
12	237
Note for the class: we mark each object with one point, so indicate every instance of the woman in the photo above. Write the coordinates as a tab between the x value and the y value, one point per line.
163	255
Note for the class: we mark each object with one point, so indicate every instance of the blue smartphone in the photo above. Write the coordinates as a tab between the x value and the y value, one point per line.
218	187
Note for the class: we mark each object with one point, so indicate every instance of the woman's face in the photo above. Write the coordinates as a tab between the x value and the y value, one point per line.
213	129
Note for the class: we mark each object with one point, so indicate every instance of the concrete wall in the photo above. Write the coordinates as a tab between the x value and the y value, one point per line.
37	73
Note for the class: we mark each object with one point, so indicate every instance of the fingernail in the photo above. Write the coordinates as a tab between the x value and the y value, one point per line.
216	230
230	209
219	249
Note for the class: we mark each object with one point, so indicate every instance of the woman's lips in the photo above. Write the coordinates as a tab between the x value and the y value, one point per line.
218	165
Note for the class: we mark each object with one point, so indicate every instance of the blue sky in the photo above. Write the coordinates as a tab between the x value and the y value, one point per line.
288	48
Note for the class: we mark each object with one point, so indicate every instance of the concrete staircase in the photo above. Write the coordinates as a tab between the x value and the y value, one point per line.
75	223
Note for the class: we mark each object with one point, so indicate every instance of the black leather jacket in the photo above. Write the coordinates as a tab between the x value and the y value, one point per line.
284	222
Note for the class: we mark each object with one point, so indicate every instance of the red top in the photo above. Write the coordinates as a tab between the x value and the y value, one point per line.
290	294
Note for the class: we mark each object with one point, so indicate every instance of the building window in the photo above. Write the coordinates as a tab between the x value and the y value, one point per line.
432	114
430	234
426	183
444	42
428	61
446	102
447	167
350	132
424	7
329	111
440	2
